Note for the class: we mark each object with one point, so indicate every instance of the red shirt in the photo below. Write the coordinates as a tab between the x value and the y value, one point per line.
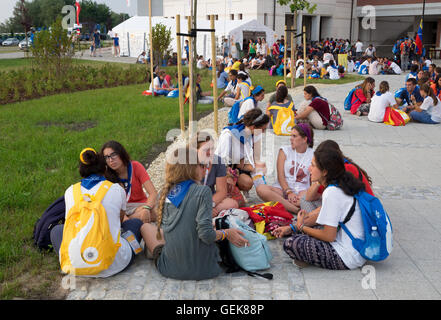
358	98
353	169
139	177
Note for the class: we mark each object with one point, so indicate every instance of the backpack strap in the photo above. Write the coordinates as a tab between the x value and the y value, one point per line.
348	217
102	191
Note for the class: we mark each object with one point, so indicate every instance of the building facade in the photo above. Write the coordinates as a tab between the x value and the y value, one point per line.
331	18
395	19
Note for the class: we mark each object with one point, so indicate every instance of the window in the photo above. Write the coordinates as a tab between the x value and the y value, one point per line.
240	16
265	19
208	17
216	17
231	16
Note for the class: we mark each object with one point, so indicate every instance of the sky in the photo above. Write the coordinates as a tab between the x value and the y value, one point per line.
7	6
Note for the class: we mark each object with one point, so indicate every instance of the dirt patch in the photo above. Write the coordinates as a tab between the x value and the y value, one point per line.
157	149
75	126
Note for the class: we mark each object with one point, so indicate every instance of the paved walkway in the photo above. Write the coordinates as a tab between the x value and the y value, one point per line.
404	164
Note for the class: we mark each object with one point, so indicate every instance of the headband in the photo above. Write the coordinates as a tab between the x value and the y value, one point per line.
306	130
258	118
82	152
280	81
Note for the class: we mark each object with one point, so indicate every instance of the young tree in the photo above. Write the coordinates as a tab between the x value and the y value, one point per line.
161	42
25	20
53	49
296	6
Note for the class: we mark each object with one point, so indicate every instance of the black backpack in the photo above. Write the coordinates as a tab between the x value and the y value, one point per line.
52	216
226	256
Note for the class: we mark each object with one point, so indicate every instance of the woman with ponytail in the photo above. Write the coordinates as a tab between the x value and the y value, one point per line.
92	167
328	247
240	143
183	244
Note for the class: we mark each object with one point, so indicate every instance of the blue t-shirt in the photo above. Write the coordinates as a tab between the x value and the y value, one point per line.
116	41
222	80
96	37
404	95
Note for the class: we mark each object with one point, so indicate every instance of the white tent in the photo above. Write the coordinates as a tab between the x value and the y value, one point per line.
134	33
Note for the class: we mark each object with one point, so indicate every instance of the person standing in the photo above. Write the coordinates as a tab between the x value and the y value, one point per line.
358	49
96	43
116	46
404	54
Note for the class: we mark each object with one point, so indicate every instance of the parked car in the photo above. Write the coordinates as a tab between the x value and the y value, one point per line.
11	42
24	45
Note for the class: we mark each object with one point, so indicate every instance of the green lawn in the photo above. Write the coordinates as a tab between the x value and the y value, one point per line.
40	141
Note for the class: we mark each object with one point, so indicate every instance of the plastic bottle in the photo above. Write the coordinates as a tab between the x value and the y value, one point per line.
374	249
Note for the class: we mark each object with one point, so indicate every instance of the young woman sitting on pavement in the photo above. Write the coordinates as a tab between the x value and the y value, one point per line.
329	247
430	110
215	172
380	101
315	109
312	200
293	162
183	244
133	177
272	98
92	167
361	99
281	100
239	146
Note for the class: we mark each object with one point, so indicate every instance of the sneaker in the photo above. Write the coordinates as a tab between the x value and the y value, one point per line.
358	113
300	264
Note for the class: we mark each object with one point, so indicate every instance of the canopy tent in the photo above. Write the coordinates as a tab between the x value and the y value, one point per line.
134	33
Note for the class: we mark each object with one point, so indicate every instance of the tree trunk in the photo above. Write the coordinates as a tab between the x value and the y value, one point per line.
195	57
293	51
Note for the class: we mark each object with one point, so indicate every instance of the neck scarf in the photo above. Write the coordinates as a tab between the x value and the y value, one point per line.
91	181
179	191
128	182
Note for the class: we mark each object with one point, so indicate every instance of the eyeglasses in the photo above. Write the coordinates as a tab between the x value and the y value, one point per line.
111	156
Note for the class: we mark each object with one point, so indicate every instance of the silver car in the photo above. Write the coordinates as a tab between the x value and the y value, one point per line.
11	42
24	45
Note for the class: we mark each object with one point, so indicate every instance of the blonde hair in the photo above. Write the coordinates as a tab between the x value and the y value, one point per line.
176	172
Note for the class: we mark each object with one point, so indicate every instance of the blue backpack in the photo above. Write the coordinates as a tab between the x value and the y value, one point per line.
257	255
254	257
234	111
377	244
348	101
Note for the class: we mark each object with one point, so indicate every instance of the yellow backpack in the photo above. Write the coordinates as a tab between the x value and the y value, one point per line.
87	247
283	119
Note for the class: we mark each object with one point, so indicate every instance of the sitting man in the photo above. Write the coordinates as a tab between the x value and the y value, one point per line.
408	96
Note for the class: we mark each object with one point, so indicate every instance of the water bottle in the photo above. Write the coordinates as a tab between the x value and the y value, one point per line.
374	248
131	239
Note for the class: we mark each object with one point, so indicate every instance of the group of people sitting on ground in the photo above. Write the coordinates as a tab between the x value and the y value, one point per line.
418	101
176	224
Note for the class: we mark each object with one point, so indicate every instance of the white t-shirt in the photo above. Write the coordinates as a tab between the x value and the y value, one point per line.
373	68
200	65
141	59
428	62
333	73
296	168
327	57
359	47
434	111
379	105
231	150
370	52
114	201
157	83
351	66
246	106
335	206
299	71
396	68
